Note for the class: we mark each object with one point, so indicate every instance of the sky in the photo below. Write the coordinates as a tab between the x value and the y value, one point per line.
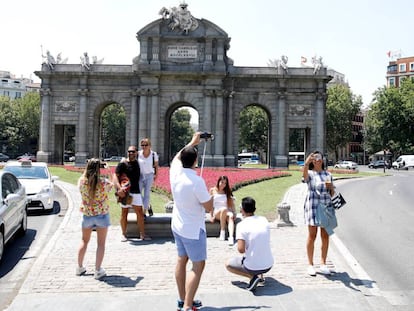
353	36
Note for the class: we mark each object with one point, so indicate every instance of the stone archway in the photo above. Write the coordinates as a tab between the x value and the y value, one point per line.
176	66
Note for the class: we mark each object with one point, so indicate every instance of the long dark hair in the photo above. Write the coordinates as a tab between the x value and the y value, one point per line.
227	189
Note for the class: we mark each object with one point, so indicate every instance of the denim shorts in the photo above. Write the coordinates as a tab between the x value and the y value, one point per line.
98	221
196	250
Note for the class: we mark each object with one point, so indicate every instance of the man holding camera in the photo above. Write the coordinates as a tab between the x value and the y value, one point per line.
191	201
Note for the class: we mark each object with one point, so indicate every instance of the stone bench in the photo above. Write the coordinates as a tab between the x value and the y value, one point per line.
159	225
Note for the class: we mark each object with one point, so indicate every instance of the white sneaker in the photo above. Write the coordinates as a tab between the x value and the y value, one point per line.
222	235
231	241
124	238
323	269
80	271
99	274
311	271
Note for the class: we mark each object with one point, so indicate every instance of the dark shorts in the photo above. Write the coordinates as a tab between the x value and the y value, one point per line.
237	264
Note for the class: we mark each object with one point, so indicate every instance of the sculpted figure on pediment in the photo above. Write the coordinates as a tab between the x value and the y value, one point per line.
180	18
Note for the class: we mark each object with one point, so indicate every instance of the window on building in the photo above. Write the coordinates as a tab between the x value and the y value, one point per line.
411	66
402	68
18	95
391	81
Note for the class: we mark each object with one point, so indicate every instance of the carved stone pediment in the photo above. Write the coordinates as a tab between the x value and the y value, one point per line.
300	110
65	106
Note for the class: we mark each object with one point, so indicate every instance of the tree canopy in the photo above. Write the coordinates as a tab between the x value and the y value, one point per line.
389	122
254	127
181	130
341	108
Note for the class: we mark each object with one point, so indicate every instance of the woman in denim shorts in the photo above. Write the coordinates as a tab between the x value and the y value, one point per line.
94	191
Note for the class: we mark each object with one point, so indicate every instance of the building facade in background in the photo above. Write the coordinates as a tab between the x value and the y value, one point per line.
399	69
13	87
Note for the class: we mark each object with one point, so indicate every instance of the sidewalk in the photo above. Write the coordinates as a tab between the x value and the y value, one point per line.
141	273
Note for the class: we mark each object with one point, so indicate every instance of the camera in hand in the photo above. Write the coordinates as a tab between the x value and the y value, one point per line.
207	135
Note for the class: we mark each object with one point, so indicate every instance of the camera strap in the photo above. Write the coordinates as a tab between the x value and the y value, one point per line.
202	159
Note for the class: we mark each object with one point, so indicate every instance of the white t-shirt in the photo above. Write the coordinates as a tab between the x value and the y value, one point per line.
255	231
189	192
146	164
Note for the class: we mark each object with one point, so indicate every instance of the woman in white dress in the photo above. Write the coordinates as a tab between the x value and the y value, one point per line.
223	208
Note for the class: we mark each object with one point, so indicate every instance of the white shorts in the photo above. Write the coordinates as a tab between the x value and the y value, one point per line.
136	200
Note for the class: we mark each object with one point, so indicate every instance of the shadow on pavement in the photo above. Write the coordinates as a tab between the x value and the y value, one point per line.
272	287
121	281
14	251
349	282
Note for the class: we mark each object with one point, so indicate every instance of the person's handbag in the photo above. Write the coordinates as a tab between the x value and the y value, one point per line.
338	200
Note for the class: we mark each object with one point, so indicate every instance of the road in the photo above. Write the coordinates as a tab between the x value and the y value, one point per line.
21	253
376	226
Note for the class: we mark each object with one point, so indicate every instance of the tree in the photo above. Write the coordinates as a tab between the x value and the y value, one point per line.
390	120
254	128
341	108
180	129
113	130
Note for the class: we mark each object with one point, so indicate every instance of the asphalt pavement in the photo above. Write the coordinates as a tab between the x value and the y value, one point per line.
140	274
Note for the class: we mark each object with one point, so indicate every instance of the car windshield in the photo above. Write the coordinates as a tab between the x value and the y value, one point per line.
28	172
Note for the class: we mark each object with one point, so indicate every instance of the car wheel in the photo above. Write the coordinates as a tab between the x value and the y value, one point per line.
23	224
1	245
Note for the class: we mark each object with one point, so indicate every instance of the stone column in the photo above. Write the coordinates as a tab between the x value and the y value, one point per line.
319	122
230	159
281	159
134	119
205	119
218	131
154	123
143	107
82	132
44	153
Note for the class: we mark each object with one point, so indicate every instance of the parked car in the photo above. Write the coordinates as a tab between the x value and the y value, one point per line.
27	156
36	178
4	157
377	164
13	209
113	159
349	165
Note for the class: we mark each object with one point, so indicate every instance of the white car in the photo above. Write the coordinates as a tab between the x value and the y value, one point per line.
36	178
349	165
13	209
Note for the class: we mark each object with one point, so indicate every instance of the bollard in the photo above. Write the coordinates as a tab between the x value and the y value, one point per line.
283	211
169	206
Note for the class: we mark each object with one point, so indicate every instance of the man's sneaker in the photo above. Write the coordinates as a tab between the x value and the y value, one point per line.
80	271
99	274
150	212
253	283
323	269
231	241
311	271
196	304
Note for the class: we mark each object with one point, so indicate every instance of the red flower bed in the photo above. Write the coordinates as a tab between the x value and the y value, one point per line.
238	177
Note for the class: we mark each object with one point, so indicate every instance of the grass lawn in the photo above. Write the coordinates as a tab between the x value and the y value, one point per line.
267	193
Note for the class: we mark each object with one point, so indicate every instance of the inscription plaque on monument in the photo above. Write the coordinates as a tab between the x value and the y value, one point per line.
182	51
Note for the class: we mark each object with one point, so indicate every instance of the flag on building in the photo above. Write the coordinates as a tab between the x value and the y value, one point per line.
394	54
303	60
